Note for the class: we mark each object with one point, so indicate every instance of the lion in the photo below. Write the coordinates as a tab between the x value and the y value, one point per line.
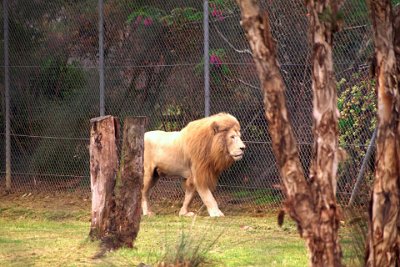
198	153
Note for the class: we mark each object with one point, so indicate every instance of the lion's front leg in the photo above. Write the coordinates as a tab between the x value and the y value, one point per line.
209	200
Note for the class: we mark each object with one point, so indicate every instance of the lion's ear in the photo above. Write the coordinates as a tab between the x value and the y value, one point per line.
215	127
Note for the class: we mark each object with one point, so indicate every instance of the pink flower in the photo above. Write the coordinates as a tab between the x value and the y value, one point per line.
148	21
215	60
218	14
138	19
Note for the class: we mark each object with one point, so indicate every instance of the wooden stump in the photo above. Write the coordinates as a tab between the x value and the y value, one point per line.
128	194
116	198
103	170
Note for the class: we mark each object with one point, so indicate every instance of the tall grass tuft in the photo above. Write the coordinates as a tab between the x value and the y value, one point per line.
191	247
358	223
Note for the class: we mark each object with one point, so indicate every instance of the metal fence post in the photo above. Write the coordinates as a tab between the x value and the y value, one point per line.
7	96
206	61
363	167
101	57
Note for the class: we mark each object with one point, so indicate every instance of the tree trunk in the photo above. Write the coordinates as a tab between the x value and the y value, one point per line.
128	192
312	205
103	170
323	21
383	233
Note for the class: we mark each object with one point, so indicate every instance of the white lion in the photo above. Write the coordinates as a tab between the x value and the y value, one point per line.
198	153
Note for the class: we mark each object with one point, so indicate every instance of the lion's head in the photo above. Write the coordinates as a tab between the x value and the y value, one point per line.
214	144
235	144
227	139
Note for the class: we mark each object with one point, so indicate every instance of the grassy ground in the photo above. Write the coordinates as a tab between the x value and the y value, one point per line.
48	231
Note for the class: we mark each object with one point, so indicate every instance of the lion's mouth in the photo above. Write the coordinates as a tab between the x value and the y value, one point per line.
237	156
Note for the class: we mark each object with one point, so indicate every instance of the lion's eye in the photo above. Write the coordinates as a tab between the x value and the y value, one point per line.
233	137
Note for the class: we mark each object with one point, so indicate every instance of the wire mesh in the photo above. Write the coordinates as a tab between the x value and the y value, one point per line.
154	67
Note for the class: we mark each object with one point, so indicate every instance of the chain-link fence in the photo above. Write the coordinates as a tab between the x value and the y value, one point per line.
154	67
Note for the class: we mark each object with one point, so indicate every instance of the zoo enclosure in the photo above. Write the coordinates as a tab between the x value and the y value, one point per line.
153	66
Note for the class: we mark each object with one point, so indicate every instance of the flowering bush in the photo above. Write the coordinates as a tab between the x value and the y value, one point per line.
146	15
218	68
357	106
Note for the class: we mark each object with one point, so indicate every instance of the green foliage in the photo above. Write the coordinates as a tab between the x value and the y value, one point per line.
225	6
175	110
180	15
326	14
256	131
66	104
222	3
171	116
145	12
357	106
177	16
57	79
356	12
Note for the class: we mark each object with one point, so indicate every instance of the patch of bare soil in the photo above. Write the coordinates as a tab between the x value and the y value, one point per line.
47	201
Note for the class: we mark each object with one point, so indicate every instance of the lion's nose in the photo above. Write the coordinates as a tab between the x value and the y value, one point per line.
242	147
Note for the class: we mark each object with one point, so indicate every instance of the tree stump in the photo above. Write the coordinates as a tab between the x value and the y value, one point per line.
129	186
103	169
116	196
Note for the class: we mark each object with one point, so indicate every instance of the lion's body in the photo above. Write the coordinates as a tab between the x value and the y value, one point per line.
164	153
199	153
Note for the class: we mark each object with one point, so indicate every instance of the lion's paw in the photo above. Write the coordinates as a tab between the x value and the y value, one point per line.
187	214
149	213
215	213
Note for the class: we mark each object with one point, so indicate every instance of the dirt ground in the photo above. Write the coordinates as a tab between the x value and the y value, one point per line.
42	201
81	202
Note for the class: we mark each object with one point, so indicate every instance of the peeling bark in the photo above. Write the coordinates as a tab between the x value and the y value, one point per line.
312	205
323	21
383	233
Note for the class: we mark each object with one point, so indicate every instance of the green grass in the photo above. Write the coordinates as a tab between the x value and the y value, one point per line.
259	196
32	236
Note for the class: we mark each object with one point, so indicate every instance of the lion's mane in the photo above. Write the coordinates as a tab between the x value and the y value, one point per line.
204	144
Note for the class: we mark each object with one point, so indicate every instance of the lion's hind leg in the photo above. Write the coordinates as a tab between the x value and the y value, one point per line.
150	178
190	190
